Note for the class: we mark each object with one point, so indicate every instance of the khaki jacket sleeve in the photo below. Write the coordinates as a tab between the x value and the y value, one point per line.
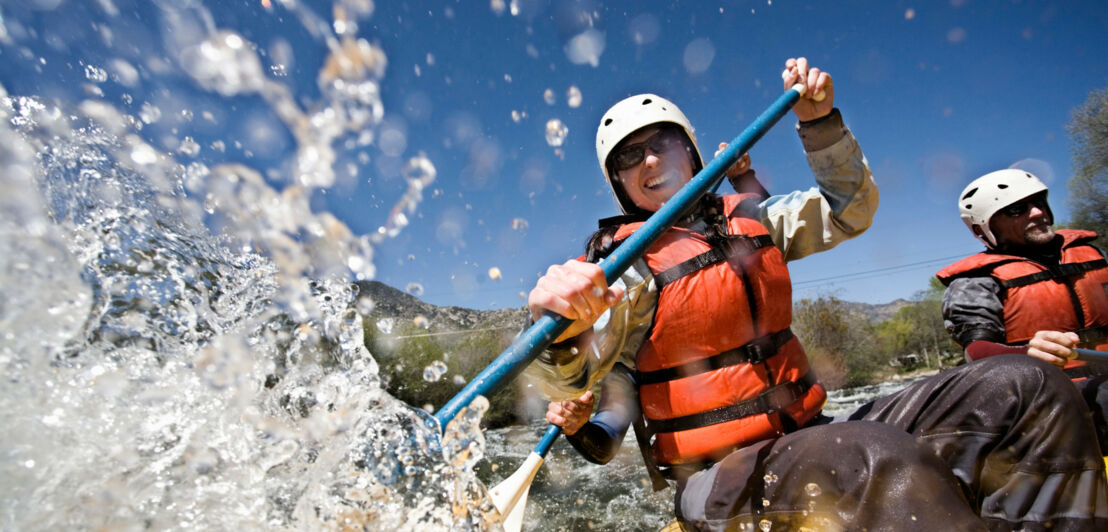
566	370
842	204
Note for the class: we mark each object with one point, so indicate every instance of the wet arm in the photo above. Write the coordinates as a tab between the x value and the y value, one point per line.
567	369
599	439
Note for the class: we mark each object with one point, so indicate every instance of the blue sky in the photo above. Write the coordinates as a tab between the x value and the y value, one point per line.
936	92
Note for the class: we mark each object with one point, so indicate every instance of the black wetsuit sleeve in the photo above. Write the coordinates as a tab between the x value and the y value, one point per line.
599	439
973	310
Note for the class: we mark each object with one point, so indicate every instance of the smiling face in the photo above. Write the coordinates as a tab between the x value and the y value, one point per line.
1024	223
665	167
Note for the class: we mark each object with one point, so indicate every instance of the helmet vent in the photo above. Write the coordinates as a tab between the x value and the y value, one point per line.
647	101
1002	186
969	194
607	121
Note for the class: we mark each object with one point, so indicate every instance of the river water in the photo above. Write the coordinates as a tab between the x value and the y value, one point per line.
182	346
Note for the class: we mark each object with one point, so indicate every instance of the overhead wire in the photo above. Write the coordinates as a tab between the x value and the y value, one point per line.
877	272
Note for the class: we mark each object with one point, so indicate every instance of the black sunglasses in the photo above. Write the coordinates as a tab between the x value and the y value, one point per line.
631	155
1021	207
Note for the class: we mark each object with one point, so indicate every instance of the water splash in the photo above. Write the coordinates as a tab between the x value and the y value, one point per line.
182	343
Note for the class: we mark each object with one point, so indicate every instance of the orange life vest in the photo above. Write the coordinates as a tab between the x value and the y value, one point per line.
720	366
1070	296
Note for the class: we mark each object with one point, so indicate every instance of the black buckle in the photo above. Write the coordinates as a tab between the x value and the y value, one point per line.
778	397
760	349
764	404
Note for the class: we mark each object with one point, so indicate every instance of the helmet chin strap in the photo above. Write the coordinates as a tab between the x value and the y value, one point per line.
988	240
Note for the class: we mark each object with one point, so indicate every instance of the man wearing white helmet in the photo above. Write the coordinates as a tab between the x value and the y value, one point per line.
1033	291
703	363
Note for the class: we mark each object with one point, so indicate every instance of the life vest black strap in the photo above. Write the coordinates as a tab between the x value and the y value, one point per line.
1058	271
755	351
767	402
736	245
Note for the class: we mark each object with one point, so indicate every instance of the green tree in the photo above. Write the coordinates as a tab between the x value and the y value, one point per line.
917	328
1088	188
839	343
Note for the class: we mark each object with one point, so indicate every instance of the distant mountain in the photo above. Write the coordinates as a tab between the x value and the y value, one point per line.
877	313
389	301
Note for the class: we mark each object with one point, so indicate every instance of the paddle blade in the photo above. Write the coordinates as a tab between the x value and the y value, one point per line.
510	496
514	521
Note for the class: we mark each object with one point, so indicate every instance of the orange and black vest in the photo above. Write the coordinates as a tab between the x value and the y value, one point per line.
1069	296
720	368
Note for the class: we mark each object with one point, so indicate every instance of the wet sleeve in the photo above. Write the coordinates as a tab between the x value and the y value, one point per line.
973	310
841	205
599	439
566	370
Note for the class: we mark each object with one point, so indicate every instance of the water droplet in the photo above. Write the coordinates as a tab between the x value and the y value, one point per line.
812	489
96	74
366	305
225	63
143	153
29	464
150	113
548	96
385	325
415	289
586	47
421	321
765	525
556	132
419	172
459	380
519	224
573	97
494	273
188	147
434	371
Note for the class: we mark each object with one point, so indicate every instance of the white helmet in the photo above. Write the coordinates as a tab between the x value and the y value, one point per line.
629	116
986	195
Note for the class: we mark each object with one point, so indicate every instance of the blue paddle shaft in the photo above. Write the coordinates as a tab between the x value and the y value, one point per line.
552	433
540	335
1091	355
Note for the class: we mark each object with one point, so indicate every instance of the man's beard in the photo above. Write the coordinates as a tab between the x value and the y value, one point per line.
1037	236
